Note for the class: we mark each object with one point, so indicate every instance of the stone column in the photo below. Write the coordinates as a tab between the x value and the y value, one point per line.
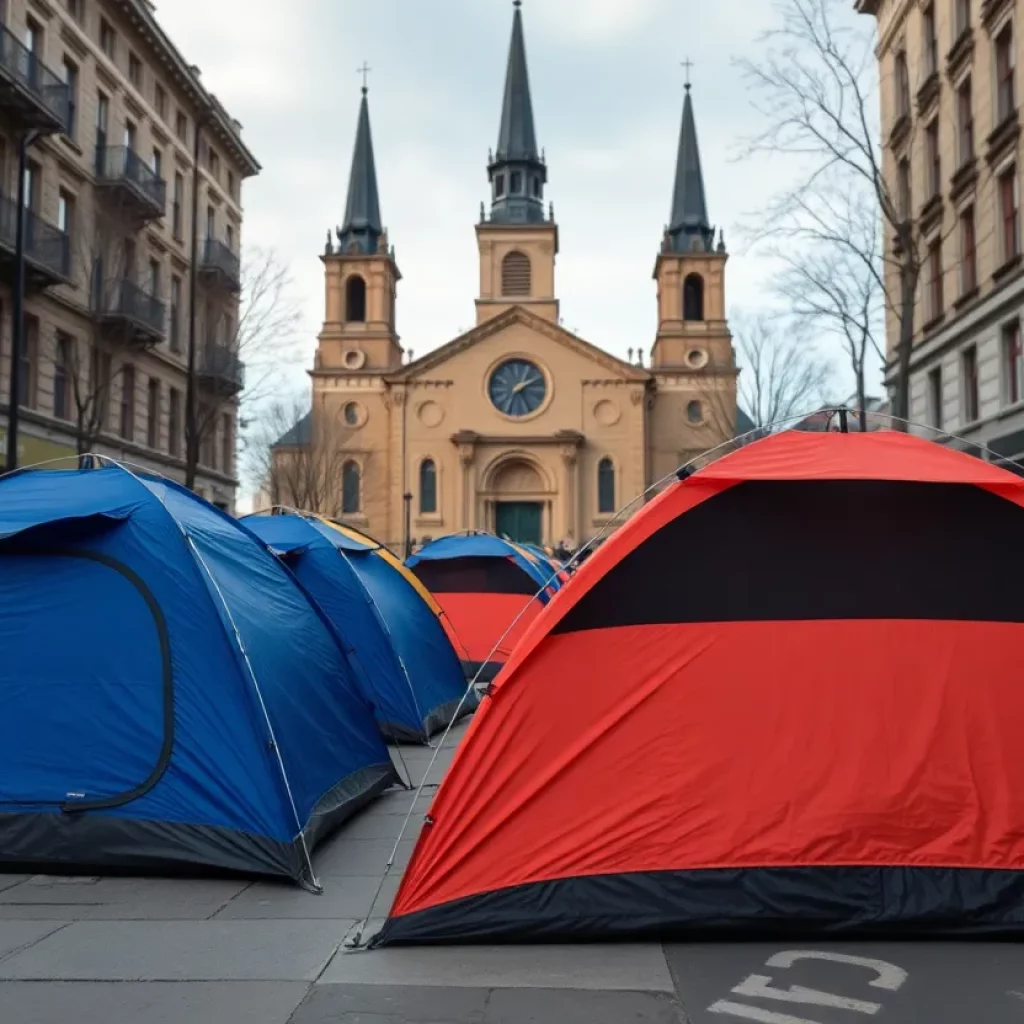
465	446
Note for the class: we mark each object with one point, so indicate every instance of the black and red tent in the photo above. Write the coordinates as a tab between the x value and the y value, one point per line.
788	694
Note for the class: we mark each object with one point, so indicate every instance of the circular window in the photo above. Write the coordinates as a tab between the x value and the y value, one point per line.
696	357
351	414
695	412
353	359
517	387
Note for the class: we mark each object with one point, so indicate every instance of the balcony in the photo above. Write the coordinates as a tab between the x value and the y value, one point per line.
130	183
219	266
32	97
129	315
219	370
47	248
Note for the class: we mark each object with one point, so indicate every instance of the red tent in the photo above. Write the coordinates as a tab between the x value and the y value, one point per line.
787	694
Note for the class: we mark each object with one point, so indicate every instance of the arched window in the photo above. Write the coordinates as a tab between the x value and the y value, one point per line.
695	412
428	487
515	274
606	486
693	297
350	488
355	299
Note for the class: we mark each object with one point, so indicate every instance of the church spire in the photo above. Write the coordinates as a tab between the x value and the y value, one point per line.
362	227
689	228
517	171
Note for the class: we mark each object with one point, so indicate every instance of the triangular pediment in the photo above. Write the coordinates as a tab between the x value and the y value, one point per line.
519	315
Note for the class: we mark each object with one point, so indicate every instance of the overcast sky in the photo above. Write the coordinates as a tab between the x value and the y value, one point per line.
607	92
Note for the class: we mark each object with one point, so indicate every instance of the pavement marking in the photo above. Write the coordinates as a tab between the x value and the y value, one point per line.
759	986
753	1013
890	977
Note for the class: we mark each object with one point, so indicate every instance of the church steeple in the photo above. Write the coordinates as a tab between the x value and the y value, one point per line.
517	170
689	229
362	230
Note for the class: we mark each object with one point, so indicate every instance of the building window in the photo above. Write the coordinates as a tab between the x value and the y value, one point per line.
154	279
693	297
968	253
229	236
350	488
176	205
28	360
499	186
903	187
606	487
214	162
965	120
934	279
536	187
33	173
158	163
934	158
71	81
108	39
515	274
63	368
355	300
231	184
902	85
130	133
1013	364
1005	65
961	16
175	314
935	397
76	8
135	70
969	364
102	118
211	222
695	412
181	126
931	42
153	414
227	440
1009	212
66	212
160	101
351	414
174	422
515	185
127	426
428	487
207	447
33	38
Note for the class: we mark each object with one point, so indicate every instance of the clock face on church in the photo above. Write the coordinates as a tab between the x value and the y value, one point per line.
517	387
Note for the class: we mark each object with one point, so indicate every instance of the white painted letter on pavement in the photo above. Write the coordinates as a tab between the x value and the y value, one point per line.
759	986
890	977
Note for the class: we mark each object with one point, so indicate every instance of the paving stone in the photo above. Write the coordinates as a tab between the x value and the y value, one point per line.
398	801
344	899
6	881
178	951
373	826
232	1002
332	1004
16	934
367	857
634	967
559	1006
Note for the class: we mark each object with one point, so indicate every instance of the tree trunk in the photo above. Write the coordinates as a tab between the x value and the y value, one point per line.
862	400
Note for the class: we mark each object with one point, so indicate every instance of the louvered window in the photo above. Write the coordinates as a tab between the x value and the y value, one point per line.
515	274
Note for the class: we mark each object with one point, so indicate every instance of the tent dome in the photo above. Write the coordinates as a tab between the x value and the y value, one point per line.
170	695
785	695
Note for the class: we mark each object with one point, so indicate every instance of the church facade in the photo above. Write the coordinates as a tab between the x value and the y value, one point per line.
518	426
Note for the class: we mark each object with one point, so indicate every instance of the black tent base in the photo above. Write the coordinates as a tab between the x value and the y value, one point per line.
482	671
437	720
97	842
731	904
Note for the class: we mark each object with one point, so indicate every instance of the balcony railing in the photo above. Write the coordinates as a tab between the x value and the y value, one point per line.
121	168
30	93
47	248
220	369
219	261
122	303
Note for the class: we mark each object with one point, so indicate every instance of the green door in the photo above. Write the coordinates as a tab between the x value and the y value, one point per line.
519	521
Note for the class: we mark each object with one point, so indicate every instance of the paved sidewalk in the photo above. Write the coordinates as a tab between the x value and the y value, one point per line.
175	951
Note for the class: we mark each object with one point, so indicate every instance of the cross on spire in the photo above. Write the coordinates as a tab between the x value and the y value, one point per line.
687	64
364	71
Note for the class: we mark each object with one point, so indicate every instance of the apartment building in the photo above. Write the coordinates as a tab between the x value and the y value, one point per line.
109	242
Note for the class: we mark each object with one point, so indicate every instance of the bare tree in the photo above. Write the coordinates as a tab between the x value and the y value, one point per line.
239	361
817	89
838	288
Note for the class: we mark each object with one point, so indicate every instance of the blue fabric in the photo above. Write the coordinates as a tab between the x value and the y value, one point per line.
481	545
408	666
80	680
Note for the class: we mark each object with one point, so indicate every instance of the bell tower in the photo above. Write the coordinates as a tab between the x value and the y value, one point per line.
360	273
693	332
517	242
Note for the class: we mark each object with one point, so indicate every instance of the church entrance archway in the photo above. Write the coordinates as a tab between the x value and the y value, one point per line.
520	521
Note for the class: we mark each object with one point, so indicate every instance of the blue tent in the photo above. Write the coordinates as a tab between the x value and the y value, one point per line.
384	615
170	696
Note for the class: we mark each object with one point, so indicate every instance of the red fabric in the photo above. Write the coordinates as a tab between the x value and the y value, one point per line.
475	622
727	745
